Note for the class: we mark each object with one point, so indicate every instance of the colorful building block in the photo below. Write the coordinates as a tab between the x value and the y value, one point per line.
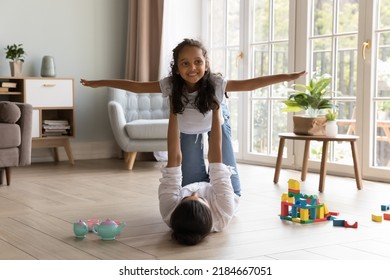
301	208
386	216
338	223
348	225
294	185
385	207
376	218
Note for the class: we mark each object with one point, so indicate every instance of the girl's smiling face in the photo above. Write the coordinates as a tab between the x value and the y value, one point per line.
191	66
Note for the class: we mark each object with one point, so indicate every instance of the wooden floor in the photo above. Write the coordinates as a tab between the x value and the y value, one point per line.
38	210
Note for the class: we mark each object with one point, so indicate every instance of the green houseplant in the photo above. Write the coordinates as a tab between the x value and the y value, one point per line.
331	115
312	99
16	54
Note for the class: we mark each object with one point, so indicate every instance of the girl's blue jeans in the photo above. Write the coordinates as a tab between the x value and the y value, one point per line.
193	162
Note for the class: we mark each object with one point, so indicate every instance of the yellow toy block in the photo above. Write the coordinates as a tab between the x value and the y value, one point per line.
321	213
294	185
376	218
284	197
296	220
326	211
304	214
290	200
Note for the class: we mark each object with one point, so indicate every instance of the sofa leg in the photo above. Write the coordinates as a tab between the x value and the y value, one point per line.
130	159
8	175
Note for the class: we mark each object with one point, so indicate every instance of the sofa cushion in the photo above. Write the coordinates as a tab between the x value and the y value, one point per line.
147	129
10	135
9	112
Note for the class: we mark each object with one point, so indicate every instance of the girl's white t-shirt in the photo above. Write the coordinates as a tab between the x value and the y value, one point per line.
191	121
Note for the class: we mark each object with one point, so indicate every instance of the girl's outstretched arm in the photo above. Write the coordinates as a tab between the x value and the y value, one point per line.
137	87
259	82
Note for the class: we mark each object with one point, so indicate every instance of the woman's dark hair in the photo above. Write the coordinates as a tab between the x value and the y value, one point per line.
206	99
191	221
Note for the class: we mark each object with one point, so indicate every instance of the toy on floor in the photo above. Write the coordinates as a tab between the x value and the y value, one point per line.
80	229
108	229
386	216
301	208
344	223
385	207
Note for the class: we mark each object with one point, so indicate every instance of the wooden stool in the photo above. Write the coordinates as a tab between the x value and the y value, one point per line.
325	140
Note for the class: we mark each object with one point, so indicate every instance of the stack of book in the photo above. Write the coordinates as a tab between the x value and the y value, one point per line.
6	86
55	127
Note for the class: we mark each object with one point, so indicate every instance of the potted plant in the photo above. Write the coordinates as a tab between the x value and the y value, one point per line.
312	99
331	128
15	53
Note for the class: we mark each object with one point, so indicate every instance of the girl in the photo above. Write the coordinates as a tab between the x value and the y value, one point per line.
194	88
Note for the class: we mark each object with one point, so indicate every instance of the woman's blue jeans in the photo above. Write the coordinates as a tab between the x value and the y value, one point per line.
193	162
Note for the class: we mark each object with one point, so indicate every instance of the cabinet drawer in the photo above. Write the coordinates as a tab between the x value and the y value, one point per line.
49	93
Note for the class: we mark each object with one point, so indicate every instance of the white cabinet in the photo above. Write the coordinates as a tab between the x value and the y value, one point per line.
52	100
49	93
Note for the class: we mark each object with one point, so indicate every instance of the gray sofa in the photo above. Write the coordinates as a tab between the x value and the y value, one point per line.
15	140
139	122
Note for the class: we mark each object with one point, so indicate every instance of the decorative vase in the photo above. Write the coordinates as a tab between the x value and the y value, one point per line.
16	68
331	128
48	68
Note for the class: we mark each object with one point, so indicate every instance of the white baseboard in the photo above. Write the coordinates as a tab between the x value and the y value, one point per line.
80	151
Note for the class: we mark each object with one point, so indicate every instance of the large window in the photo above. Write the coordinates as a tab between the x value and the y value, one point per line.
348	39
246	42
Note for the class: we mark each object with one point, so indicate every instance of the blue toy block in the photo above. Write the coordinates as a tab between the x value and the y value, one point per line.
313	213
338	223
385	207
294	212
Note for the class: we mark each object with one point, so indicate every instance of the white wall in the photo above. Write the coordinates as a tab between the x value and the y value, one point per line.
88	40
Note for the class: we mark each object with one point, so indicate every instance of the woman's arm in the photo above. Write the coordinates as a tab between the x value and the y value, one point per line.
173	141
259	82
133	86
215	142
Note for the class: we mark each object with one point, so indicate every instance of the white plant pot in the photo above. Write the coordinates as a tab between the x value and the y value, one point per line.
331	128
16	68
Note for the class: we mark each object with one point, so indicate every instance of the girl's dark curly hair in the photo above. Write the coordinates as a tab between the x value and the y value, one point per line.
206	99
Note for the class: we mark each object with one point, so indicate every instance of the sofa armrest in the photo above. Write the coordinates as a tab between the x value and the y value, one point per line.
25	123
117	120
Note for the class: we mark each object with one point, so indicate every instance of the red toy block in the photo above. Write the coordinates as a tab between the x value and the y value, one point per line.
386	216
347	225
333	213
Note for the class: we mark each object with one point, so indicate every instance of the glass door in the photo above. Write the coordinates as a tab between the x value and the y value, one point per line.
333	49
350	40
251	38
376	95
225	51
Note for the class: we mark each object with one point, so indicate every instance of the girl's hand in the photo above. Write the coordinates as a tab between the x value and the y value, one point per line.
296	75
87	83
